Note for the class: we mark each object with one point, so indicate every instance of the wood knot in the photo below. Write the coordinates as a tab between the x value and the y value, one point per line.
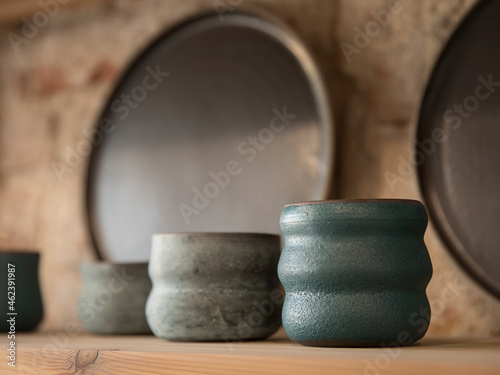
85	358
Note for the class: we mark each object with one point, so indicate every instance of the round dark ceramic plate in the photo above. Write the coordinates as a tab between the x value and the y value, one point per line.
459	144
215	127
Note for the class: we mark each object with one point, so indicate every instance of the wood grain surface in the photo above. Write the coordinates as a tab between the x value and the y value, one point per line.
56	353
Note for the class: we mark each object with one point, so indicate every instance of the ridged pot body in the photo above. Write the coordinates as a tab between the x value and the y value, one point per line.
25	295
214	287
113	298
355	272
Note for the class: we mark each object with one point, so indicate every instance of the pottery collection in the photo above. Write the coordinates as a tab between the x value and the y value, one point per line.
355	273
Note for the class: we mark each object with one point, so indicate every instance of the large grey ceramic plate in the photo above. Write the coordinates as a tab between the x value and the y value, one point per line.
228	80
460	177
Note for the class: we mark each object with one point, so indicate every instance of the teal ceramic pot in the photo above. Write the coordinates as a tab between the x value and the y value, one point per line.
214	286
113	298
355	272
21	302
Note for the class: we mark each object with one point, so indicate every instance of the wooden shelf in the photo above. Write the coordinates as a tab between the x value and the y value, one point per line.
58	353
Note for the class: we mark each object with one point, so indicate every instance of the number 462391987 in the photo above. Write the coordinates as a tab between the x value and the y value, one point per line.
11	286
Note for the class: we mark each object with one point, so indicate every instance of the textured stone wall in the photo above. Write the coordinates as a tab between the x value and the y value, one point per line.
54	83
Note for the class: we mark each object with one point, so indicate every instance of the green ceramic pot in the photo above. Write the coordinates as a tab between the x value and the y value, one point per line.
113	298
355	272
214	286
21	303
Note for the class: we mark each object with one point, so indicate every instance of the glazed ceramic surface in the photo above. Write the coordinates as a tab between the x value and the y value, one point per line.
214	286
113	298
458	142
355	272
23	277
236	111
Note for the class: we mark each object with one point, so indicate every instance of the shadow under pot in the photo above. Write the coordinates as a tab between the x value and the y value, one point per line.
214	286
355	272
21	303
113	298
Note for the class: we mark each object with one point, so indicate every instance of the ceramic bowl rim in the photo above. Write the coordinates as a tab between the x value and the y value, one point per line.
109	264
355	201
217	234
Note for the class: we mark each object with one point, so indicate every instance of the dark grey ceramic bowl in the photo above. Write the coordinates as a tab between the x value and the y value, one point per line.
214	286
21	297
113	298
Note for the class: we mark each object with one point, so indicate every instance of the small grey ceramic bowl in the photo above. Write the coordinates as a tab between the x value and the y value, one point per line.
113	298
214	286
